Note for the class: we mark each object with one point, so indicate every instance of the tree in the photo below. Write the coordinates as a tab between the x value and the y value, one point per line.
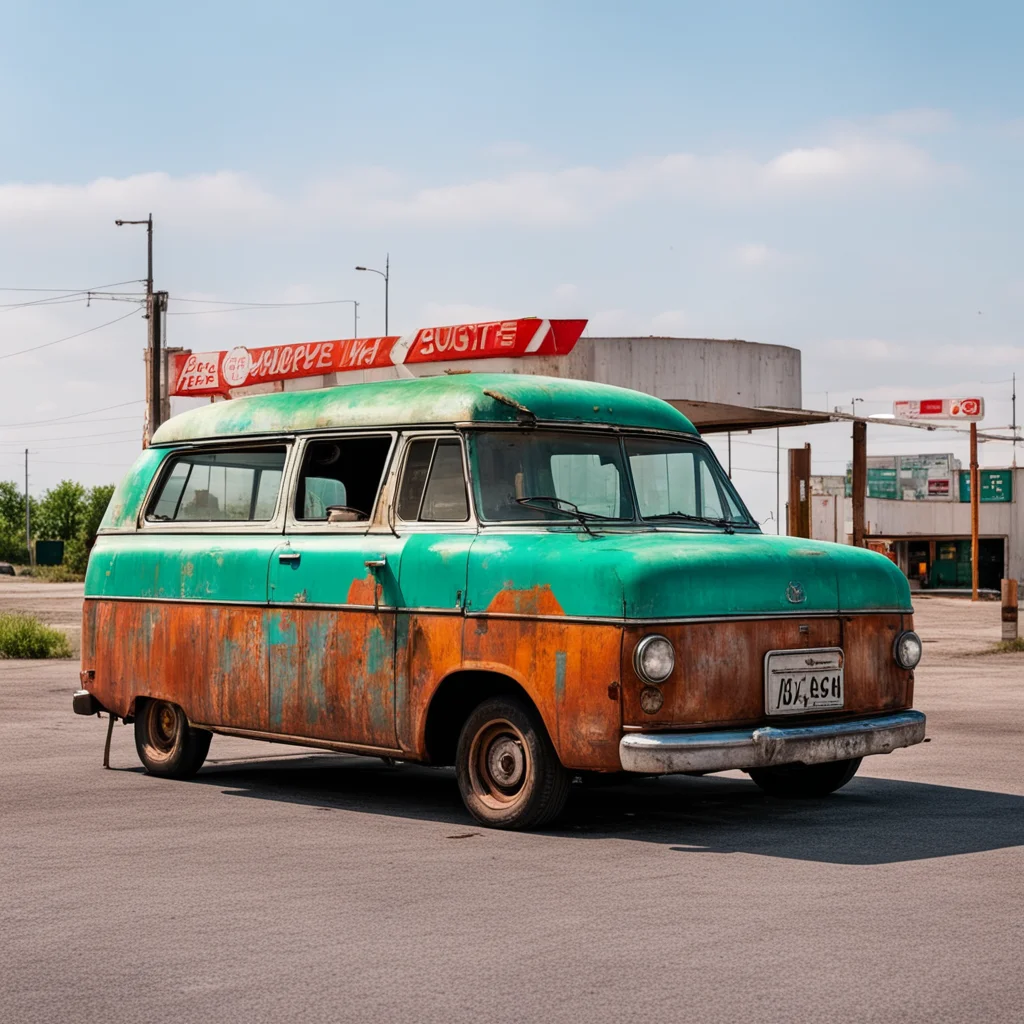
61	512
96	501
12	505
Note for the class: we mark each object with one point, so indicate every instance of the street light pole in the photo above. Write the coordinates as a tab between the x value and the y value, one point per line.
386	274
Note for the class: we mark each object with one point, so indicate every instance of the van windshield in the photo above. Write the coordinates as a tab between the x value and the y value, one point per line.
562	476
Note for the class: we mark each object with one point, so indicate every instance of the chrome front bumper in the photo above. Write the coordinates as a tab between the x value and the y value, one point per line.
662	753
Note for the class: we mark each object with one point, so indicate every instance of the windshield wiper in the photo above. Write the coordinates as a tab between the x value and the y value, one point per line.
549	503
727	524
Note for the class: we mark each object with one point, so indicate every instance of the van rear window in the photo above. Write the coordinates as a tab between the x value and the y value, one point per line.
241	485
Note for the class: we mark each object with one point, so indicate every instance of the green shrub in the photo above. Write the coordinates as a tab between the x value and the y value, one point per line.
24	636
57	574
1010	646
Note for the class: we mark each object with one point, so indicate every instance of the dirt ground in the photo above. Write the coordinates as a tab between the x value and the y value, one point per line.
56	604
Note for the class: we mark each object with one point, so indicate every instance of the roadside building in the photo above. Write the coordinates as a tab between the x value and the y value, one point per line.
925	526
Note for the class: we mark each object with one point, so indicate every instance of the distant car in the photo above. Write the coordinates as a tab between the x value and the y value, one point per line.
6	569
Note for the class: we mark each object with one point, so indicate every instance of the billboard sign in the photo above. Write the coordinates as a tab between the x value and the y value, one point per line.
909	477
996	485
217	373
965	410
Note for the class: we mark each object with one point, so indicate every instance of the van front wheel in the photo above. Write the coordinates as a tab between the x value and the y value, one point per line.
166	743
805	781
508	772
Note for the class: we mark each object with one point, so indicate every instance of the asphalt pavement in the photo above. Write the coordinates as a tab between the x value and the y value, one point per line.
288	885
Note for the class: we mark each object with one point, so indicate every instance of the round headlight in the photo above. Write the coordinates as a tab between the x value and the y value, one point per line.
907	651
654	659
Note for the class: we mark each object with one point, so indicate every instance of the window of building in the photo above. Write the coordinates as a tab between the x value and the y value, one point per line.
433	482
241	485
340	479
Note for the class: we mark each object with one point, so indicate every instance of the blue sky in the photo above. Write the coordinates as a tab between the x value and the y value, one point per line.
839	177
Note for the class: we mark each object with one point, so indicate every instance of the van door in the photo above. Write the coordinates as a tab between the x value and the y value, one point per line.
432	513
333	599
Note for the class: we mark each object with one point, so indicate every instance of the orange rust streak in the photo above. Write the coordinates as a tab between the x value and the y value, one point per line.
362	591
535	601
210	659
566	669
433	651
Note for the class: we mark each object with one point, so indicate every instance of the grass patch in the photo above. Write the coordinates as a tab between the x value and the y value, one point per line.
57	574
24	636
1010	646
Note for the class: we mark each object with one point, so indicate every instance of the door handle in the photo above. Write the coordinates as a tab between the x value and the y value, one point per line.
375	563
289	556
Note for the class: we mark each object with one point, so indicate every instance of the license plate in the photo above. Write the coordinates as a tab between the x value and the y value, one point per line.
796	682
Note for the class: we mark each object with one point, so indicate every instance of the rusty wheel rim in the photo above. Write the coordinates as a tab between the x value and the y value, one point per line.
163	726
500	766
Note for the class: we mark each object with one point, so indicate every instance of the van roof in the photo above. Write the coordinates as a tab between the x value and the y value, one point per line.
457	398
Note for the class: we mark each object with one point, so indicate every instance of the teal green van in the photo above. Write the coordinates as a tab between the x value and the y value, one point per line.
527	578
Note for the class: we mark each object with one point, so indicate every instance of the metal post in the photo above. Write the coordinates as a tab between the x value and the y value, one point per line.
1009	612
729	441
778	485
28	516
860	479
387	279
355	319
975	501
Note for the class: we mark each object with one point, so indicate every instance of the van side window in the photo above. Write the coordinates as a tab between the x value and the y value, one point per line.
240	485
433	482
340	479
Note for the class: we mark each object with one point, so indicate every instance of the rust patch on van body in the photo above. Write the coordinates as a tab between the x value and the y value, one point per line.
719	675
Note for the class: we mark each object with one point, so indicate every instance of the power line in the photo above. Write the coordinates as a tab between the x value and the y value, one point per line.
71	416
98	327
74	291
67	437
99	419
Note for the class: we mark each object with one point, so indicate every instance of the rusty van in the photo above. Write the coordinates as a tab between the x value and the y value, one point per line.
527	578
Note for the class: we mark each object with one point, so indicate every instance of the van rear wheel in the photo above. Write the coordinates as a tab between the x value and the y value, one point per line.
805	781
508	772
166	743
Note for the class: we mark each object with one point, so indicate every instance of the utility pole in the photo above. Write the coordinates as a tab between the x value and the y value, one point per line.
28	516
153	311
975	501
1013	429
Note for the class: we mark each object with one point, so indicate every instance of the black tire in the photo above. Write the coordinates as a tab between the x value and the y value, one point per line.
508	772
166	743
805	781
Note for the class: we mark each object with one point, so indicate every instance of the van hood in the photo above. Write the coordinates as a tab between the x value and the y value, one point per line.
678	574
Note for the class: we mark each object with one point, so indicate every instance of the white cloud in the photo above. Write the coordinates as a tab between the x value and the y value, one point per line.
967	356
756	254
374	196
671	323
865	349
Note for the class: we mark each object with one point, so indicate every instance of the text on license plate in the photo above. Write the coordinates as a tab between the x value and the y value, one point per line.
800	681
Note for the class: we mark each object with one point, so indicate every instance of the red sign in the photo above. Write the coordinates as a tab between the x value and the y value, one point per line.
940	409
217	373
